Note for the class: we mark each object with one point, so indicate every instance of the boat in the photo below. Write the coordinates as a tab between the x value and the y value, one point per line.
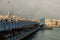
12	27
11	22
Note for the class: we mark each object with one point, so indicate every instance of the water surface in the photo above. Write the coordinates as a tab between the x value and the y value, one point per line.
45	35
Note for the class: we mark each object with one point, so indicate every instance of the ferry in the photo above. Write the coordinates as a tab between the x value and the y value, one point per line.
16	28
11	22
11	26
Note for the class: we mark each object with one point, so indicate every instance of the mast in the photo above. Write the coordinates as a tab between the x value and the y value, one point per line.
10	12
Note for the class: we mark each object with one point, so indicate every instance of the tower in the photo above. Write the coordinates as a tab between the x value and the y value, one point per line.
9	14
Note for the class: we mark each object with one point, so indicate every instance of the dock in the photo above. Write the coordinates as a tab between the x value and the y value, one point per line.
44	27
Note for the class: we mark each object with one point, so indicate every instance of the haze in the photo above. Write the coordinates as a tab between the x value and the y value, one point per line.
34	9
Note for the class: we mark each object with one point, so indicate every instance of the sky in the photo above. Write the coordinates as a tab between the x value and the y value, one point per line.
35	9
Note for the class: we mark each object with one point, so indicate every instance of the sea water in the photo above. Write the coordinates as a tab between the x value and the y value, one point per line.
45	35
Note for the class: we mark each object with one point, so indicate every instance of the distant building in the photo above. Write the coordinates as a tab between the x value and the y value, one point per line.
50	22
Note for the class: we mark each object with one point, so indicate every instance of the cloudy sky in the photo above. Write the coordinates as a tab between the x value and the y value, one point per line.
35	9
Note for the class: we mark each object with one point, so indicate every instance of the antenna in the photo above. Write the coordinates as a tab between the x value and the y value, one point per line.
10	2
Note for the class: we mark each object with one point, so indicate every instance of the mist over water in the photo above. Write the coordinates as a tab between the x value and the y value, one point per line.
34	9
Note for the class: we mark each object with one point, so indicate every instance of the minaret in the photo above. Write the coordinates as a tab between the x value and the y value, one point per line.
9	15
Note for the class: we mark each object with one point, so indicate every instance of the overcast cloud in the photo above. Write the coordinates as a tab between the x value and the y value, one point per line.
35	9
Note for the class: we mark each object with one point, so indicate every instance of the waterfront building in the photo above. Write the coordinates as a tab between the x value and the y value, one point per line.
50	22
